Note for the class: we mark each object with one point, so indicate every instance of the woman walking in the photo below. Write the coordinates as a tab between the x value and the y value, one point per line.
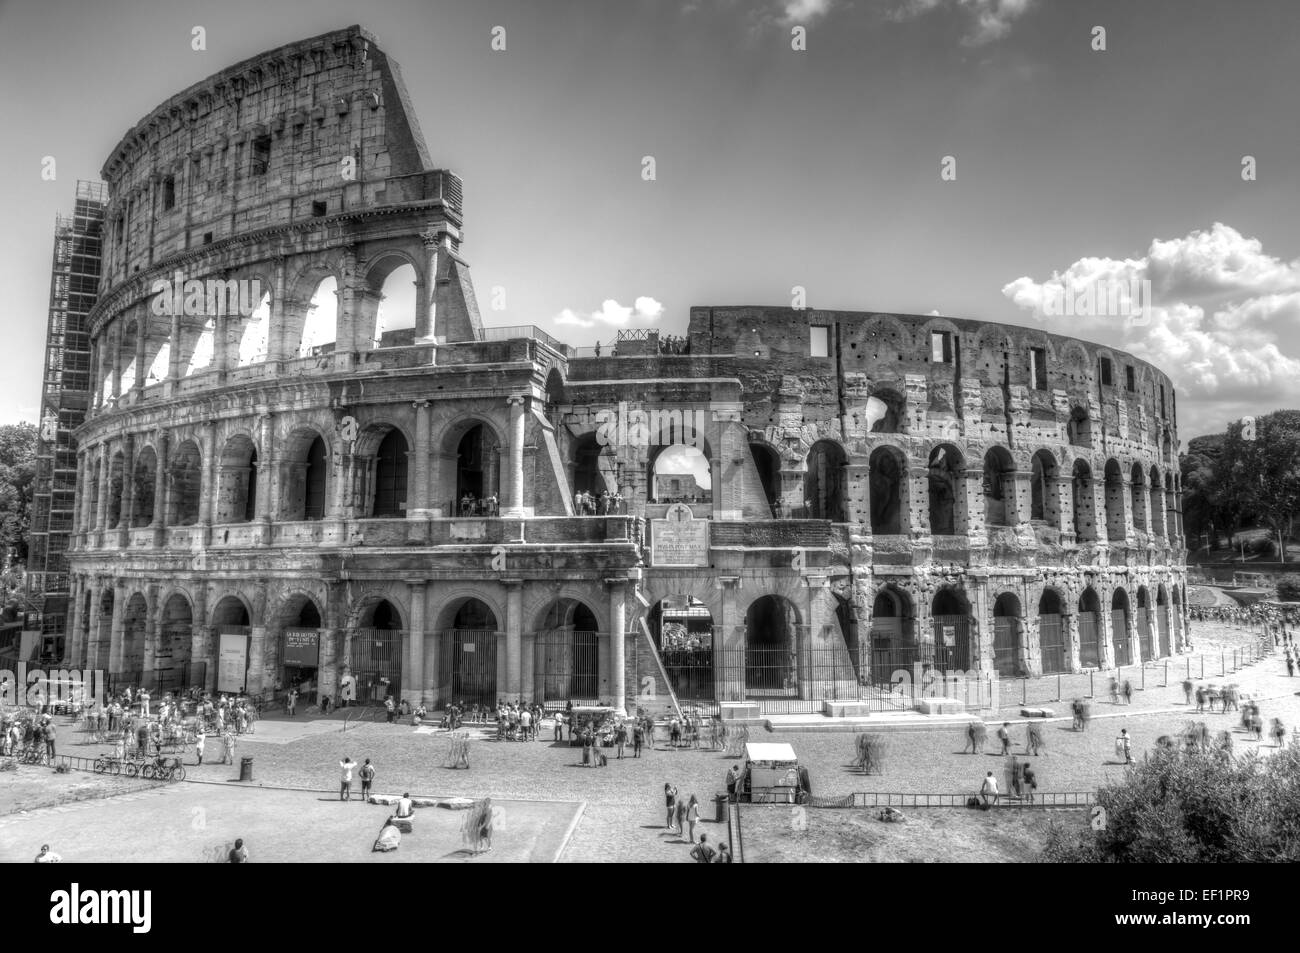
670	801
692	817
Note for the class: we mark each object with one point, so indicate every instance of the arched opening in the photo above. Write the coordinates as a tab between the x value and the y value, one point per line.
395	315
594	469
885	469
129	356
1143	621
1116	528
1175	615
949	648
947	497
1162	619
1008	639
567	653
1085	516
1090	629
1157	506
300	623
1051	633
1044	504
205	346
377	653
1172	527
893	635
468	654
116	476
232	611
1137	498
1079	428
477	470
237	481
96	472
768	464
390	476
999	488
771	644
680	474
824	482
143	483
175	637
1119	609
134	621
255	334
320	323
682	629
886	411
185	498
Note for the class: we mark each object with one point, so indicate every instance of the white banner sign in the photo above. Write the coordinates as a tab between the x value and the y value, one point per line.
232	662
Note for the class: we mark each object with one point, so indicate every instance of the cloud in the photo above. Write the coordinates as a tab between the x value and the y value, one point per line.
1221	322
804	11
612	313
987	20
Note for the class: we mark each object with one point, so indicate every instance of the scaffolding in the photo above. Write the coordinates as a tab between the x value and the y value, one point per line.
65	395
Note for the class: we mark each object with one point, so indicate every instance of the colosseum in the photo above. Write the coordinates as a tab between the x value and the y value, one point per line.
344	481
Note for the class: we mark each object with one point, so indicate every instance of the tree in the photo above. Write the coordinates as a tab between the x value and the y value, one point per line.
1263	474
1206	510
17	473
1198	806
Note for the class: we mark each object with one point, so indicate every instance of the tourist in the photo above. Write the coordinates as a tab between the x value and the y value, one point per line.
144	702
1187	690
693	817
1124	746
1128	692
405	806
1290	665
724	854
702	853
675	731
390	709
989	789
47	856
670	800
1114	691
526	725
1034	742
638	739
1004	736
558	731
291	701
229	740
199	739
238	853
347	765
367	778
49	740
1278	731
1030	781
733	778
620	739
681	816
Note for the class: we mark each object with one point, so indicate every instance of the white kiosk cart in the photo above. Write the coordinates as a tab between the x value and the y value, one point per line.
773	773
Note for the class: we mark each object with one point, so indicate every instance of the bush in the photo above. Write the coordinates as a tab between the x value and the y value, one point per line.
1262	547
1202	806
1288	587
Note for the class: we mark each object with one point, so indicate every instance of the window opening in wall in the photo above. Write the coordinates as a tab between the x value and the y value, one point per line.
1105	372
1130	379
820	341
318	209
941	347
169	193
261	155
1162	400
1038	367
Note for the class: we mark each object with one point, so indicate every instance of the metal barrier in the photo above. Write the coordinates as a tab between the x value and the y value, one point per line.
1066	799
734	832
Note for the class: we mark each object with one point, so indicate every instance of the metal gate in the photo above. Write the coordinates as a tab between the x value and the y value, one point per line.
566	665
951	643
1089	640
890	652
1119	635
377	664
1006	645
690	671
771	672
1144	634
1051	641
1162	623
468	663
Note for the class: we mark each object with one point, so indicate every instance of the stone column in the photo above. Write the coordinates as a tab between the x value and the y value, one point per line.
1063	487
914	506
413	680
1022	502
84	492
275	341
159	523
101	517
94	652
141	340
345	346
514	636
72	645
425	316
418	505
515	506
1071	622
127	507
116	631
149	649
208	479
617	645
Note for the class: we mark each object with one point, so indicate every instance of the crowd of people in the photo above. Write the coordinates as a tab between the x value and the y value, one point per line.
683	814
606	504
471	505
674	344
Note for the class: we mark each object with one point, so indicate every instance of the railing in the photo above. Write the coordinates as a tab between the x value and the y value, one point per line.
1048	799
514	332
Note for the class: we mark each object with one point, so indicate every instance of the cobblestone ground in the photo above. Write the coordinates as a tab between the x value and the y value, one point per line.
624	820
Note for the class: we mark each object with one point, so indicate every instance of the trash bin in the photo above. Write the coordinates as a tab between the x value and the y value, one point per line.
720	808
245	769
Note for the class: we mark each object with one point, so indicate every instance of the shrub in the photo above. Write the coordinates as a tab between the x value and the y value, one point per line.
1194	806
1288	587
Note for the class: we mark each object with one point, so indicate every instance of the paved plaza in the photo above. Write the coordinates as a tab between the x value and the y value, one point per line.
552	807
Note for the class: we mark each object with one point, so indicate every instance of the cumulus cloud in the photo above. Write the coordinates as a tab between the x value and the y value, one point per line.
804	11
1221	319
987	20
612	313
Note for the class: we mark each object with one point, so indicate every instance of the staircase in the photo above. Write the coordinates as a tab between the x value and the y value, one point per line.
655	695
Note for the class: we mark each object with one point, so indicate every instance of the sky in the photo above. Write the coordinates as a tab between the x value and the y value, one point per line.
773	167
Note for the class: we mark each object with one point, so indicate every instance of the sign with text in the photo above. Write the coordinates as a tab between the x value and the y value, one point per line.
232	662
302	648
679	539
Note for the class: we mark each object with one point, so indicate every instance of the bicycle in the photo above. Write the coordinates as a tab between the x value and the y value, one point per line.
163	769
106	765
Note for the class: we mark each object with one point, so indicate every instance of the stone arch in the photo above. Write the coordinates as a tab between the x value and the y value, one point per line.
390	299
894	418
1051	631
887	469
1116	526
184	501
771	647
231	608
1085	511
1078	428
237	485
681	627
767	461
313	331
379	609
471	447
252	346
144	478
300	609
385	465
1090	629
457	600
135	626
1008	635
999	487
175	639
947	491
1137	497
593	466
685	465
1144	623
951	642
825	482
893	634
469	636
566	651
1044	502
305	467
116	478
1119	619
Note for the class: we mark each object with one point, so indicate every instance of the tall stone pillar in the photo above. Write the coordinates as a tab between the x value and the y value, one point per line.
514	637
73	646
116	630
915	503
127	509
1071	622
617	643
413	679
149	654
346	327
159	522
208	479
425	317
515	505
101	516
1063	487
418	507
275	332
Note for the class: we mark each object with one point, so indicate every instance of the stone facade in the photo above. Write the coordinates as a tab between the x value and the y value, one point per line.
313	510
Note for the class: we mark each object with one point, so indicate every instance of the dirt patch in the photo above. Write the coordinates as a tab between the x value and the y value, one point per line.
32	787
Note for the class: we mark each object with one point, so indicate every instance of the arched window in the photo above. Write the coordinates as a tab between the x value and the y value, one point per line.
947	479
320	324
1119	609
1044	504
1051	633
187	481
999	488
142	487
1116	528
1137	497
255	334
317	469
886	480
824	482
1085	516
395	314
237	482
681	474
390	476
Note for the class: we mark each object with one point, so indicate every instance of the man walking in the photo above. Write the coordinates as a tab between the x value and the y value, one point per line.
1004	736
347	765
199	739
1124	746
638	738
291	701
